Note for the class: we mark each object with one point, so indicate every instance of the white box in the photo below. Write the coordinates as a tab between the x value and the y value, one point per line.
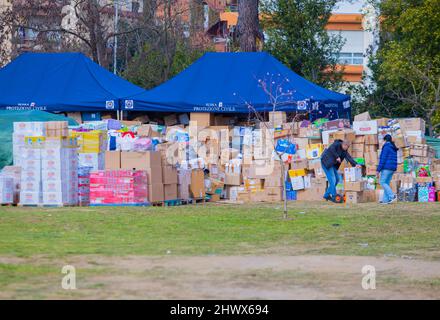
31	165
30	197
53	175
297	183
365	127
326	136
31	186
53	186
352	174
6	189
49	164
30	128
30	153
30	176
94	160
53	198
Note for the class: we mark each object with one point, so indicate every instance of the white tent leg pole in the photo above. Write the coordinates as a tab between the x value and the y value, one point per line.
117	114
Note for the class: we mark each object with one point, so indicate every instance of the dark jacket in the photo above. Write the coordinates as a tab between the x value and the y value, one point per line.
388	158
333	152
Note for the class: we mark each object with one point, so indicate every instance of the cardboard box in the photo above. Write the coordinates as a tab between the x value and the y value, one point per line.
299	164
359	140
197	186
233	179
273	194
170	191
312	194
297	183
357	147
352	174
140	160
215	197
336	124
154	175
352	197
370	170
412	124
202	119
169	174
346	134
155	192
382	122
314	151
355	186
112	160
365	127
371	139
371	159
277	118
170	120
362	117
400	142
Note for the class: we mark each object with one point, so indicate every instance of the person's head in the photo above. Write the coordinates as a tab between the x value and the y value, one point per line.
388	138
345	145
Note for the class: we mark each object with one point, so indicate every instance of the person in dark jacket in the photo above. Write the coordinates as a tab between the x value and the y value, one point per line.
386	168
331	160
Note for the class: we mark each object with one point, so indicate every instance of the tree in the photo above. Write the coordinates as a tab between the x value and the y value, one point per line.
248	25
62	25
296	35
407	65
405	70
177	43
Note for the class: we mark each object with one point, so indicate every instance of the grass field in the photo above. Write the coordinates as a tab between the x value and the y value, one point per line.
157	243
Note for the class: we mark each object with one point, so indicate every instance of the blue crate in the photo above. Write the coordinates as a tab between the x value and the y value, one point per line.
291	195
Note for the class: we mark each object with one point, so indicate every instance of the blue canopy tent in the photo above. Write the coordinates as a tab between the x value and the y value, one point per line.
61	82
231	82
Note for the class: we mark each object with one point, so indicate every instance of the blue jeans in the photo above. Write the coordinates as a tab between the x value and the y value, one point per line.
385	179
333	179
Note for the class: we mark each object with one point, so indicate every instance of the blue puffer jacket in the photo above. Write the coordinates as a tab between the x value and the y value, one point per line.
388	158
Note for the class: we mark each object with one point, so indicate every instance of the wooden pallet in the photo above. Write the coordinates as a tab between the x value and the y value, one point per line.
168	203
40	205
8	204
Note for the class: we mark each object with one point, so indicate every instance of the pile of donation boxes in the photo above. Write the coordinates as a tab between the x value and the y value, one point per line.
204	156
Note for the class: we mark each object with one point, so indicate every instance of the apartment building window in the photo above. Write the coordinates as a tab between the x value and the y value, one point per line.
351	58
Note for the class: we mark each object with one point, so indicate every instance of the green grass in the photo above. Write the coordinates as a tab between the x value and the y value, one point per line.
403	229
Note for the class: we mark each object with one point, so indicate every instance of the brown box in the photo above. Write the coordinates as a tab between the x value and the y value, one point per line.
311	194
155	192
370	195
170	191
346	134
202	119
371	158
273	181
357	147
382	122
362	117
371	139
299	164
215	197
277	118
273	194
355	186
370	170
140	160
169	174
130	123
412	124
371	148
197	186
170	120
359	139
154	175
354	197
112	160
233	179
400	142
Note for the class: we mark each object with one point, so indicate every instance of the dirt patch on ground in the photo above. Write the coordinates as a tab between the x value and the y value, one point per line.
232	277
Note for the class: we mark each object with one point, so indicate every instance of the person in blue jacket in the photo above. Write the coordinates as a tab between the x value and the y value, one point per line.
386	168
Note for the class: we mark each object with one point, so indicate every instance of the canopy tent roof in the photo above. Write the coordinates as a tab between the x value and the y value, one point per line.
230	82
61	82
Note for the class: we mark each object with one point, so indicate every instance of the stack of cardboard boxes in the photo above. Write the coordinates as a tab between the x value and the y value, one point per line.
92	147
49	165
